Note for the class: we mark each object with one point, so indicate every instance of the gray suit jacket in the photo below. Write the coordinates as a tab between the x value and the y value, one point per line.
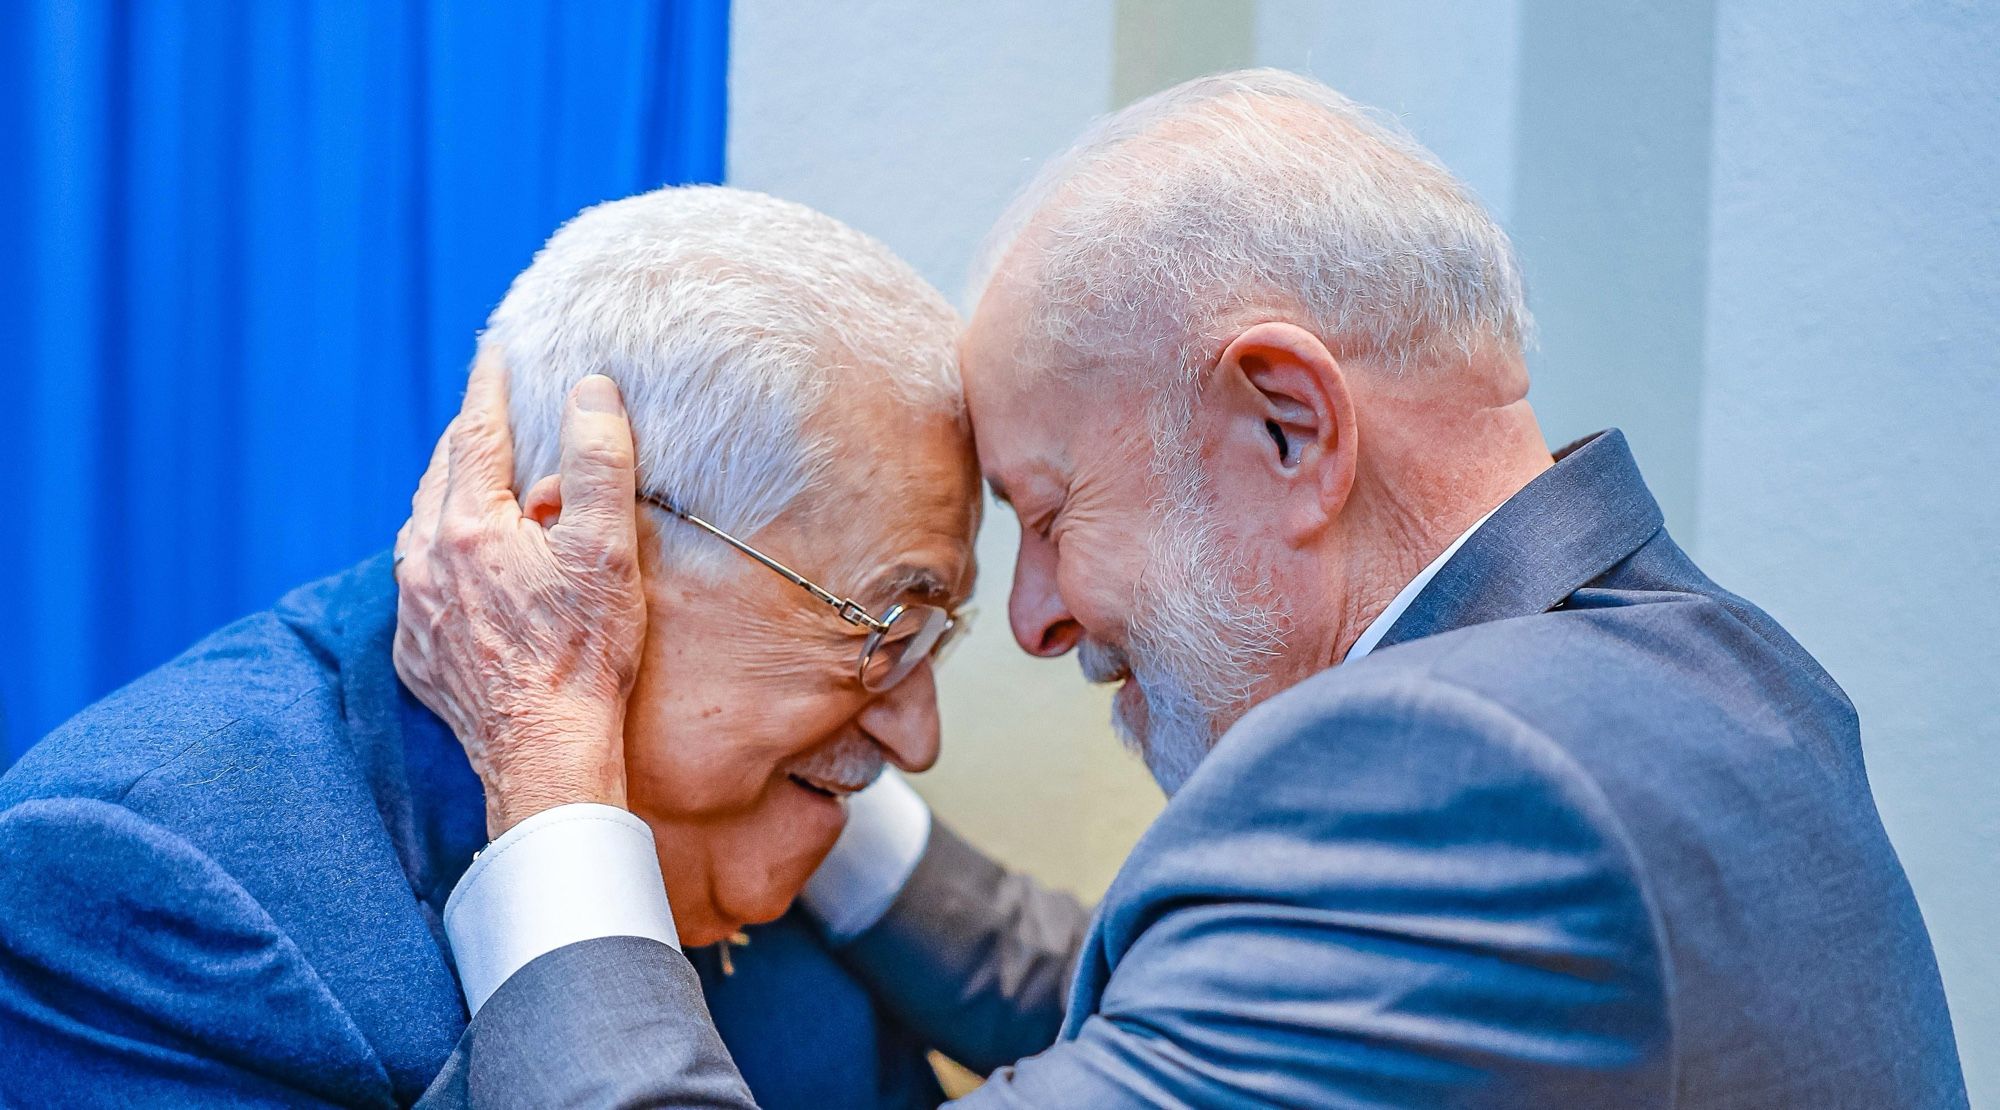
1587	830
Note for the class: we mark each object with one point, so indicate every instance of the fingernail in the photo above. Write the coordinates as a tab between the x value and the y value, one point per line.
598	393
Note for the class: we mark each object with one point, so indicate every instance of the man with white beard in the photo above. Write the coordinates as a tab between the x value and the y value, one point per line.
1482	794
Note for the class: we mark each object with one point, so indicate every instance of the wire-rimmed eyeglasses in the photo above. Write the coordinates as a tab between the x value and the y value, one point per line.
898	641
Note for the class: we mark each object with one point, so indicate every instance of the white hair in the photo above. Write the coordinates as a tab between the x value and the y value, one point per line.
1255	190
729	320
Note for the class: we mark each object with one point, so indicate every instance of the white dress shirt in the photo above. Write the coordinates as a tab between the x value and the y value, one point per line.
583	871
568	874
1386	619
580	872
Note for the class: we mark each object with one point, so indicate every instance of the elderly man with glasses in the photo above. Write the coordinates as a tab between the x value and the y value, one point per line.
227	884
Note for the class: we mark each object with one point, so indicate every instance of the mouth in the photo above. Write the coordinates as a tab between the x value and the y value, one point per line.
825	788
1103	665
1128	695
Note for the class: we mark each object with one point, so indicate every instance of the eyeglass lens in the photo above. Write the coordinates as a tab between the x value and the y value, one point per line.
914	632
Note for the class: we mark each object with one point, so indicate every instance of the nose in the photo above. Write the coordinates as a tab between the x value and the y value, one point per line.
904	721
1043	625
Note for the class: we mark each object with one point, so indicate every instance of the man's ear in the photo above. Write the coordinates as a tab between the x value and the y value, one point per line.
1290	411
543	502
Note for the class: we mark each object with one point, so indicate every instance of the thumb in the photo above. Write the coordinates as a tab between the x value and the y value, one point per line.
598	476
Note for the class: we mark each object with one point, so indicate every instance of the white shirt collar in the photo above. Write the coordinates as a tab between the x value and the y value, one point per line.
1379	627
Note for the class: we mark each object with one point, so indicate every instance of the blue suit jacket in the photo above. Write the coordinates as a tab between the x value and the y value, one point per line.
222	886
1587	830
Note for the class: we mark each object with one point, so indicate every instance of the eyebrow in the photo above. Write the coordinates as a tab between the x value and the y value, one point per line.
924	582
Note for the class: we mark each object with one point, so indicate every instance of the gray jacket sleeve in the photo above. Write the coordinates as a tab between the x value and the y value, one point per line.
613	1022
975	958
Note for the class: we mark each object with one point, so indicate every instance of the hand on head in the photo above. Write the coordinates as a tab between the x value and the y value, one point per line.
526	639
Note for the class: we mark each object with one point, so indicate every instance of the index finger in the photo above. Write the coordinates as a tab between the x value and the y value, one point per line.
427	504
482	449
599	479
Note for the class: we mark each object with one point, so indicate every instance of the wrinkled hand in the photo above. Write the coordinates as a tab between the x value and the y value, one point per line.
526	639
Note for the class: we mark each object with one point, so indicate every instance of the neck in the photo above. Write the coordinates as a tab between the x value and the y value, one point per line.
1411	501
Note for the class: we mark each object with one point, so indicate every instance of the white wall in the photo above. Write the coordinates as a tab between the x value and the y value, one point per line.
1433	64
1850	420
1584	128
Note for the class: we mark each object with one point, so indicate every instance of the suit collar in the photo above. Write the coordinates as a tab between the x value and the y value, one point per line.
1575	521
425	792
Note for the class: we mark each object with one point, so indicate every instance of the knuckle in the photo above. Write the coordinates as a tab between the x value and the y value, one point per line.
594	546
467	427
409	664
603	451
620	562
457	536
472	442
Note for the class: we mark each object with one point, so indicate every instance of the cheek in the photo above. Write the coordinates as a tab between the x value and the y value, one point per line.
1098	571
762	861
686	747
707	741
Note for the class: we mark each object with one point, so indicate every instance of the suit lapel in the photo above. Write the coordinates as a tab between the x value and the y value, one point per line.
1575	521
376	944
425	791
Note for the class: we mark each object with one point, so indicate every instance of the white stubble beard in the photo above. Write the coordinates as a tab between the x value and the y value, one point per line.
1204	632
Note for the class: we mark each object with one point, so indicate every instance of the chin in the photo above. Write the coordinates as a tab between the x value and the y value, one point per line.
709	930
751	871
754	892
719	923
733	910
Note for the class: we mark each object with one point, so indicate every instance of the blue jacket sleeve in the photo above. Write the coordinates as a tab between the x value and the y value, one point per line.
1406	898
135	971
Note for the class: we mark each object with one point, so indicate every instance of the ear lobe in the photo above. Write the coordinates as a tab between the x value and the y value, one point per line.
543	501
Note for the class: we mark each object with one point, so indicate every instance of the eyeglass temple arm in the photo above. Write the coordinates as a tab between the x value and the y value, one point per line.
850	610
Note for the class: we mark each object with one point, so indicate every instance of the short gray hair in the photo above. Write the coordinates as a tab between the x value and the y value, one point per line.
1251	190
728	319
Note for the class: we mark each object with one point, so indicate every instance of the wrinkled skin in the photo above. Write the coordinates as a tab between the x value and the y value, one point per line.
1326	484
543	627
743	726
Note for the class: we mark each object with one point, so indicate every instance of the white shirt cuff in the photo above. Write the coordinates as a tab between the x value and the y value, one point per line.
569	874
888	826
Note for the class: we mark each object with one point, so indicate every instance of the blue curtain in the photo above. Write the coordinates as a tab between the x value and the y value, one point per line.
244	251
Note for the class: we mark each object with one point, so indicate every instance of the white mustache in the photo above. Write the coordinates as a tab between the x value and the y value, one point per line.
844	766
1101	662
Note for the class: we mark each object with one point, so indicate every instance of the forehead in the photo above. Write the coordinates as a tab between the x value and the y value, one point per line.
901	499
1034	422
